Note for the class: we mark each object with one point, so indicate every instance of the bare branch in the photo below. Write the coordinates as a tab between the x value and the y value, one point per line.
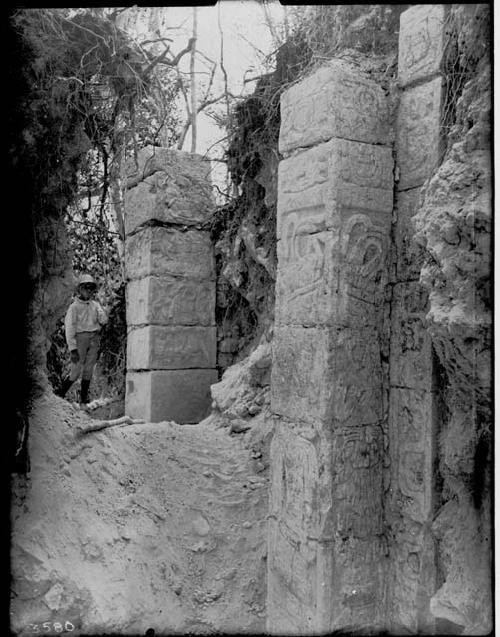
193	83
256	77
144	42
210	82
161	59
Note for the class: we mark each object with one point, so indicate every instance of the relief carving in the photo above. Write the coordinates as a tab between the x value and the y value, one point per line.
421	42
335	101
364	248
418	133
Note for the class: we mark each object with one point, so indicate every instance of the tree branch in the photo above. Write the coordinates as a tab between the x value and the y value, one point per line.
174	62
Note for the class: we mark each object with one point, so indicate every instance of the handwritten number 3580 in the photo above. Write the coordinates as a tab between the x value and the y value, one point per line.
47	627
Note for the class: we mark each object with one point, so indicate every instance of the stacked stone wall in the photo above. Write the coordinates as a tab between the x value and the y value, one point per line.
171	341
329	377
412	577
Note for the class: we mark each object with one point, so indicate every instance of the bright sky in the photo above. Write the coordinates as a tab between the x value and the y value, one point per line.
247	40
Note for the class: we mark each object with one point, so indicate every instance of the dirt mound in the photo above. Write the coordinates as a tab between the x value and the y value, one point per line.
146	525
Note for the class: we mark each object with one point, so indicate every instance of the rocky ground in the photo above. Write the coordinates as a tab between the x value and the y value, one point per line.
152	525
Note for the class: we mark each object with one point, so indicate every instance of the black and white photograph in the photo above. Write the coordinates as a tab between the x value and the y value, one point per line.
250	298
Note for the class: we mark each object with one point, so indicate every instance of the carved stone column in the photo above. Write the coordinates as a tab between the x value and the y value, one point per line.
329	375
171	340
412	417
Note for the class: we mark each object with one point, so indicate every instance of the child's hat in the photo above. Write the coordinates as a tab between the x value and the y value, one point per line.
86	278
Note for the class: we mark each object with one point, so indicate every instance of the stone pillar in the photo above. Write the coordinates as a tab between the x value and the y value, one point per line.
171	333
329	379
412	418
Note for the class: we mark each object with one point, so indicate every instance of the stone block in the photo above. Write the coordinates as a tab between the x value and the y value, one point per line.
291	583
180	395
358	589
413	575
358	464
160	250
170	300
411	346
413	447
160	347
169	186
409	254
335	177
329	375
324	549
418	143
421	42
332	278
295	476
337	100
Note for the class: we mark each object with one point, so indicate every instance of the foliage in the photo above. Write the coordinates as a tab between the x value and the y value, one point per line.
317	33
88	96
329	29
94	248
468	44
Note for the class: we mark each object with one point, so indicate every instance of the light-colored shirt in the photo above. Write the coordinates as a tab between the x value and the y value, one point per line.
83	316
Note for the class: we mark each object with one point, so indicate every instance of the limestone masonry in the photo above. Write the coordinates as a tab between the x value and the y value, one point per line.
171	343
328	382
353	371
357	389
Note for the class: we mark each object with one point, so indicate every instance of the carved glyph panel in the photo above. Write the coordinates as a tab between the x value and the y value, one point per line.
179	347
326	375
357	485
331	278
167	185
411	427
294	512
170	301
160	250
335	101
334	176
421	42
418	138
411	348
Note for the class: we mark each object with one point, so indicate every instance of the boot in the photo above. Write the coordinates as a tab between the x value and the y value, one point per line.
84	392
65	387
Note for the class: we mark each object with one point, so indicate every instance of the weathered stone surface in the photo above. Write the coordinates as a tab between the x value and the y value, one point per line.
454	224
299	573
335	101
357	486
292	586
333	177
418	133
327	278
170	300
412	421
329	491
411	349
180	395
160	250
169	186
421	42
160	347
409	254
328	375
334	225
412	579
357	603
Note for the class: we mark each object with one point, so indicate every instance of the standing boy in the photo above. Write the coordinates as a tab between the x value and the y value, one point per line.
83	322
